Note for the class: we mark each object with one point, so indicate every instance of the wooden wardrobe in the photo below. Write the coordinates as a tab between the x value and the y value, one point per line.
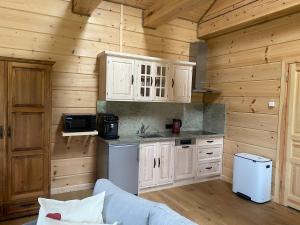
25	116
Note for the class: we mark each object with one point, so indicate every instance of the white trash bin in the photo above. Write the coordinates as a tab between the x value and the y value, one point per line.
252	177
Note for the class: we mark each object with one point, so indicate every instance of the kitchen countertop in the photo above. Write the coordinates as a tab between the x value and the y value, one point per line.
165	136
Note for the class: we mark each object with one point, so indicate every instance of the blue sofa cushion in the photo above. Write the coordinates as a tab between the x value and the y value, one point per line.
162	215
123	207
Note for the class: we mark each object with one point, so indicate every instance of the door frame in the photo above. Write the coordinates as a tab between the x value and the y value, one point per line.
280	177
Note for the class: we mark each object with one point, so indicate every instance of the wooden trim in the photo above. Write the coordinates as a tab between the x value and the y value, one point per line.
251	14
84	7
279	194
20	60
164	11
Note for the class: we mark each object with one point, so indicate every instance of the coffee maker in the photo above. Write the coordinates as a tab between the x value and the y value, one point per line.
107	125
176	125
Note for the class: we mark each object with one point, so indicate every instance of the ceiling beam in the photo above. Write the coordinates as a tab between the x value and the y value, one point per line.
248	15
84	7
163	11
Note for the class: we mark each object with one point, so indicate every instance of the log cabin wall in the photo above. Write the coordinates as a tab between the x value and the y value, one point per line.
47	30
246	65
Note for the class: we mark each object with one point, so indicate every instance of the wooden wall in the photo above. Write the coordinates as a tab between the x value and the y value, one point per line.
38	29
246	66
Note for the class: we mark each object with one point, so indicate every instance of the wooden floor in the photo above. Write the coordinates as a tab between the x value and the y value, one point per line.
213	203
209	203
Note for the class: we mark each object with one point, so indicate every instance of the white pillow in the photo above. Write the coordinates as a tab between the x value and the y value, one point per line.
60	222
85	210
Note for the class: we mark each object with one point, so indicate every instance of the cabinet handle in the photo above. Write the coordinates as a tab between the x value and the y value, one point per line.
9	132
1	132
209	153
158	162
209	141
209	168
132	79
154	163
185	146
151	81
173	82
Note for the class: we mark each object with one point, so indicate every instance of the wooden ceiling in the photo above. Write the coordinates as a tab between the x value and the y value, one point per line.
194	14
214	17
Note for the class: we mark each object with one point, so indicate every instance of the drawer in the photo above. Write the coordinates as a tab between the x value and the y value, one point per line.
210	141
205	169
209	152
22	208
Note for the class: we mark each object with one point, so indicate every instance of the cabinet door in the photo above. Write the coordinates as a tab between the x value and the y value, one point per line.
29	99
3	85
165	167
144	81
147	165
184	162
182	83
120	79
161	82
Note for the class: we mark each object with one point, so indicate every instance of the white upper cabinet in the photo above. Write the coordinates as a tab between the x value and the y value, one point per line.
162	78
181	83
144	80
127	77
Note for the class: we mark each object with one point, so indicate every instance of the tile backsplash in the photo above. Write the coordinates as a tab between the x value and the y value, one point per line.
155	115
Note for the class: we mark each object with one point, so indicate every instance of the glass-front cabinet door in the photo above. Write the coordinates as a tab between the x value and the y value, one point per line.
144	76
161	75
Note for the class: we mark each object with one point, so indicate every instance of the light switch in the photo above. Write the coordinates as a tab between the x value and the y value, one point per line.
271	104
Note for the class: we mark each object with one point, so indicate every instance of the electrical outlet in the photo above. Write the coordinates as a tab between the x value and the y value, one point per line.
169	126
271	104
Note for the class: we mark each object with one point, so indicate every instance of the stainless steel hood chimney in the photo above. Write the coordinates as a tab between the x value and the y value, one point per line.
199	52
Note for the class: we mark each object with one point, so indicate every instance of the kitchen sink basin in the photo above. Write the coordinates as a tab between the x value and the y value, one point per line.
150	136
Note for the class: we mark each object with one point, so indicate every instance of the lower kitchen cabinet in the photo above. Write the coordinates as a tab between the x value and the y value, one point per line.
184	162
156	164
209	157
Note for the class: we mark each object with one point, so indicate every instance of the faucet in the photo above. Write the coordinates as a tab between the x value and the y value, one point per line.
143	129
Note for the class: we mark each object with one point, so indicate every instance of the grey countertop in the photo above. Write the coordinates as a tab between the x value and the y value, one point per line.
164	136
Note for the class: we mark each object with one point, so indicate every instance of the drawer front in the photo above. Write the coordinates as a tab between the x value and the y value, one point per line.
209	152
210	141
205	169
23	208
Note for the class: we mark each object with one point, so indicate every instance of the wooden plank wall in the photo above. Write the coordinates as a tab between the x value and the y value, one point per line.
246	66
48	30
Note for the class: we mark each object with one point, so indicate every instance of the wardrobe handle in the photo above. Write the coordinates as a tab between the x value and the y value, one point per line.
9	132
1	132
173	82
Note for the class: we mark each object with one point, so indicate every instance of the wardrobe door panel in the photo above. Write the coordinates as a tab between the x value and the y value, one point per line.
26	128
29	100
3	99
30	83
28	176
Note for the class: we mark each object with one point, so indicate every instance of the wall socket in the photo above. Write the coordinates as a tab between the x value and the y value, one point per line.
271	104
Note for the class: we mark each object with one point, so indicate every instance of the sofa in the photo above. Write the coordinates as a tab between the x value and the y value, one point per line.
128	209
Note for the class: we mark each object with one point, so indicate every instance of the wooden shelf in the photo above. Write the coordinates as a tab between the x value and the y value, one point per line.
87	134
72	134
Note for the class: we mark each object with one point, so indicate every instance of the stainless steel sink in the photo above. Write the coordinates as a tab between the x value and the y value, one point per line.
150	135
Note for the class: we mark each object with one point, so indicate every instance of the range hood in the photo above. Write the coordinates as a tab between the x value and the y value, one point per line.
199	51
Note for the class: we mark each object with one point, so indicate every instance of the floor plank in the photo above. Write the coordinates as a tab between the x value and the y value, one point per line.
208	203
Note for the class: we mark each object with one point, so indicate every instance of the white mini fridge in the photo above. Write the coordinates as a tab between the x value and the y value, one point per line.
252	177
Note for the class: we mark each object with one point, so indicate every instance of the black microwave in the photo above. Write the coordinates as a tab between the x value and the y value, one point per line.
79	122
